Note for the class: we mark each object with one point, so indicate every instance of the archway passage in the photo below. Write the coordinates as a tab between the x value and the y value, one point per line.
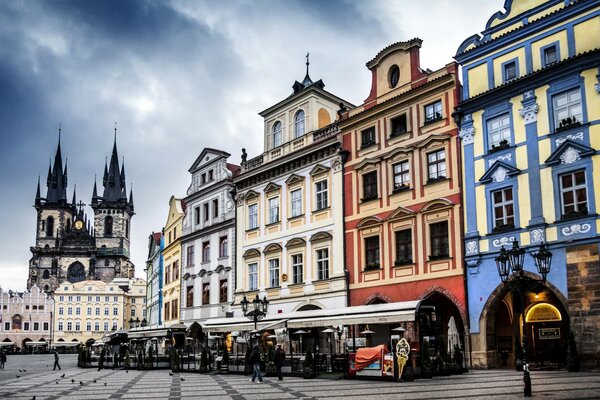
433	318
76	272
546	327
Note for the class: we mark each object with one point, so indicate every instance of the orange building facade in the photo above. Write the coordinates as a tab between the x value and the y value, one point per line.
402	204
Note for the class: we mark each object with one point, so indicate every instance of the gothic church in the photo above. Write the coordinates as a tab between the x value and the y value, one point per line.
68	246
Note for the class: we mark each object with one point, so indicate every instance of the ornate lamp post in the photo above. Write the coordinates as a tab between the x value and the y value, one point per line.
510	265
258	311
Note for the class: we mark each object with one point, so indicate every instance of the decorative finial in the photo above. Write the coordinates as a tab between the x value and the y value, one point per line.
115	132
307	61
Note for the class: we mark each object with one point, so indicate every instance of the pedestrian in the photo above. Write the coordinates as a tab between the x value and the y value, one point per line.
279	358
255	360
2	359
56	364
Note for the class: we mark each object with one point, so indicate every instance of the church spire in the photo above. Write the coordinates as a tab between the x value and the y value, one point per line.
57	178
131	197
38	197
115	189
95	193
74	201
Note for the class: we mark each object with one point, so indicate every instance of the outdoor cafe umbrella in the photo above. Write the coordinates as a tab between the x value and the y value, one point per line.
453	336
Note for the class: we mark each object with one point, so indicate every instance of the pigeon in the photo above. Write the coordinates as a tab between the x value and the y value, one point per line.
94	381
20	370
57	382
126	371
18	376
26	371
33	398
72	380
104	383
170	374
62	376
80	383
182	379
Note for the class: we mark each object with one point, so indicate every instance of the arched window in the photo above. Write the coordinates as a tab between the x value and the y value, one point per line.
46	288
299	124
46	274
50	226
16	322
76	272
108	226
127	228
277	128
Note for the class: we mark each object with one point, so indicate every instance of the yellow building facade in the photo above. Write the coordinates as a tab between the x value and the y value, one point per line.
172	262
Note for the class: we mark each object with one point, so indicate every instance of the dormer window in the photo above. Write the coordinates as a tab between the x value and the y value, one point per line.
276	134
299	124
510	71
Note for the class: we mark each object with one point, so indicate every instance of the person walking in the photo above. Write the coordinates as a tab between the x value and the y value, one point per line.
278	360
255	360
2	360
56	364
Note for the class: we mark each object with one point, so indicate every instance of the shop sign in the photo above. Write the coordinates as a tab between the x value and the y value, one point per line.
543	312
549	333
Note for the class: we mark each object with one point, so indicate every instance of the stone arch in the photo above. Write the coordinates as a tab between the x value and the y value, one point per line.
430	291
313	305
377	298
46	274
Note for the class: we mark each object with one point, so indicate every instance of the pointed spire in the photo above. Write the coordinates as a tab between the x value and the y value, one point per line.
74	201
131	197
57	179
95	193
38	197
114	178
49	173
105	177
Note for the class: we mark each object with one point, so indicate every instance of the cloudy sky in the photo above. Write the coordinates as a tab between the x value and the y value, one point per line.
177	76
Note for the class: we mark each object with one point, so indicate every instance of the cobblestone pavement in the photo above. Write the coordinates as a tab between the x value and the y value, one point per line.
43	383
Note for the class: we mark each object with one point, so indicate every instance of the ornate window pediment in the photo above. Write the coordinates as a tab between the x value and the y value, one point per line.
401	212
294	178
437	204
295	242
398	153
319	169
272	187
319	236
251	253
367	164
369	221
569	152
250	194
272	248
498	172
433	140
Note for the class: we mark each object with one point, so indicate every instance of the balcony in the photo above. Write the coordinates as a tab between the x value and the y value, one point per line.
291	147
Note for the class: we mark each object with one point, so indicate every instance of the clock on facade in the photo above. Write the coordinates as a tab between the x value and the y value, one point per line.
79	225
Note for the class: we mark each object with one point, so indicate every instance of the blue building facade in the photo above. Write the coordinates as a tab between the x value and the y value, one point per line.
530	134
154	279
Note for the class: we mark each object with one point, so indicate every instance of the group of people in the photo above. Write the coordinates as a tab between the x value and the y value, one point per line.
255	360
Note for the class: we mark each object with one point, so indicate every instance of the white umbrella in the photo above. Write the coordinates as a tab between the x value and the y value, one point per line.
453	336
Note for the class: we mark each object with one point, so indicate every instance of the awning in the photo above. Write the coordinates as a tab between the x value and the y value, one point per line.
36	343
147	334
65	344
7	344
240	324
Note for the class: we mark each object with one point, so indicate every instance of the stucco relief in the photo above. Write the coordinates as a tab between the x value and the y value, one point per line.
569	156
576	228
500	175
576	136
597	87
503	241
466	134
472	247
507	157
529	113
536	236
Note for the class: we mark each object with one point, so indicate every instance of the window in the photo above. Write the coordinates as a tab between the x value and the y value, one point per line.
503	205
273	210
89	311
223	242
433	112
97	326
403	247
203	178
323	264
175	272
97	310
97	298
88	326
210	175
394	75
567	108
274	272
77	310
253	276
133	299
106	311
277	133
106	299
206	293
174	233
116	299
36	326
550	55
70	298
297	267
167	274
372	252
498	130
25	326
61	310
69	310
77	326
573	192
46	274
296	196
50	226
206	211
215	204
108	226
439	239
436	165
299	124
190	256
69	325
114	326
197	215
253	216
223	291
167	311
78	298
89	298
205	251
105	326
132	312
370	186
399	126
175	308
321	192
7	326
367	137
45	326
510	70
401	175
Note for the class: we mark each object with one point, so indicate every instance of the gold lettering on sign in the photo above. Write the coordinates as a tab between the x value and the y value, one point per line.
543	312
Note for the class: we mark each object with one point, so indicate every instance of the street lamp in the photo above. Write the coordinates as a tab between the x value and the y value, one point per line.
510	264
258	311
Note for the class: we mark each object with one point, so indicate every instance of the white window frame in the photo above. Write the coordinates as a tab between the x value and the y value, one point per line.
322	257
299	124
253	276
503	204
297	268
296	202
573	189
322	194
273	272
253	216
273	210
569	106
439	172
277	134
401	170
432	110
500	132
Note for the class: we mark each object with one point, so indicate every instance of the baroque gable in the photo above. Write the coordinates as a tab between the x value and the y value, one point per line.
498	172
569	152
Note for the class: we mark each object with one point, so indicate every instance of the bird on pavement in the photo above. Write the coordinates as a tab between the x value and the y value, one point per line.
104	383
57	382
182	379
80	383
20	371
62	376
170	374
126	371
72	380
24	370
94	381
18	376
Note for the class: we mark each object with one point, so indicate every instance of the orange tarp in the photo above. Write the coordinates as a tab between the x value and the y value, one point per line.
368	355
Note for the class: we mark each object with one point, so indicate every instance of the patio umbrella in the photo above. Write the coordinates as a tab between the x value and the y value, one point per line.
453	336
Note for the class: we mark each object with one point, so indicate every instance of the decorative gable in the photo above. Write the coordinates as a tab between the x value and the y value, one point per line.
294	179
272	248
319	169
498	172
250	194
433	140
206	156
272	187
569	152
401	212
